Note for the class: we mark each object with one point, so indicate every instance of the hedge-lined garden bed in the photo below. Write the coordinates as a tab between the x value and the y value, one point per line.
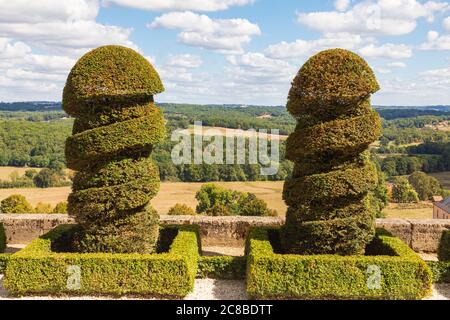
270	274
38	269
222	267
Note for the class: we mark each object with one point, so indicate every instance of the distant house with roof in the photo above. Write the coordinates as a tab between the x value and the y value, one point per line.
441	209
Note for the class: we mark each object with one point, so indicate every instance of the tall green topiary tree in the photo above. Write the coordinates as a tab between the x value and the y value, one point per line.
110	92
328	208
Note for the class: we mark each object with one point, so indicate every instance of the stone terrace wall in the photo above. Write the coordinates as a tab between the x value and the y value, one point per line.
421	235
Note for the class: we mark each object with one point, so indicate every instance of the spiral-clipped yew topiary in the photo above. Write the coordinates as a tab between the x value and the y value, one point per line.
110	92
329	212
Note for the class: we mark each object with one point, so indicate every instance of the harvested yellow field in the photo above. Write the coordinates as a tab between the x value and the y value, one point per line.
422	210
169	194
184	192
5	172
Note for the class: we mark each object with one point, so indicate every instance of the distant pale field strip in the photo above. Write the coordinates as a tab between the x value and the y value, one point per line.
213	131
6	171
170	193
423	210
443	177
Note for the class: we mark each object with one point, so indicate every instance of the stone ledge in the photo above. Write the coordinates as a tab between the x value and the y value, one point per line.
230	231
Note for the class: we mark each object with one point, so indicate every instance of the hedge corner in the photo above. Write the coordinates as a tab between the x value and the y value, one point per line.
388	270
38	269
2	238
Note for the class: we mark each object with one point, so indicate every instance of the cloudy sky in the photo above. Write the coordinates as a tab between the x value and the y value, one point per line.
228	51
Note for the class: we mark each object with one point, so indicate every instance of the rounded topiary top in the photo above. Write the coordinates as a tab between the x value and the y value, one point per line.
328	79
110	74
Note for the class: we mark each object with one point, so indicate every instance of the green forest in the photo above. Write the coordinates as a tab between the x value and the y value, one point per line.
33	135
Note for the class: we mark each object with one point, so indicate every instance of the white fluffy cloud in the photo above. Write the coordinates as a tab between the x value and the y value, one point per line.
40	41
436	42
389	17
303	48
194	5
397	65
67	27
184	61
341	5
388	50
222	35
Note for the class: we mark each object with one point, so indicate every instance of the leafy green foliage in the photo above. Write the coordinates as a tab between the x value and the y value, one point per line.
15	203
2	240
403	192
425	185
181	210
404	275
444	247
222	267
38	269
330	188
61	207
217	201
440	270
110	93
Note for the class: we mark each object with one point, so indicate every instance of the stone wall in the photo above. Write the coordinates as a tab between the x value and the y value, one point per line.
421	235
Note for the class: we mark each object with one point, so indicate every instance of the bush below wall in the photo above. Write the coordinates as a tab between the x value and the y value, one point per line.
38	269
444	247
404	275
2	238
222	267
4	257
440	270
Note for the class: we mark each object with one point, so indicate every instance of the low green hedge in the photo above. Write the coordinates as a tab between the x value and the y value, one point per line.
440	270
404	275
37	269
444	247
4	257
2	238
222	267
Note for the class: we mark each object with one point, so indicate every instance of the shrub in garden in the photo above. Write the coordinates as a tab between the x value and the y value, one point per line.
327	194
444	247
181	210
15	203
2	240
110	92
61	207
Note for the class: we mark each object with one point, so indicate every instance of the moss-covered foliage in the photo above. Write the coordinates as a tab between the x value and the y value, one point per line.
444	247
403	274
38	269
110	91
329	211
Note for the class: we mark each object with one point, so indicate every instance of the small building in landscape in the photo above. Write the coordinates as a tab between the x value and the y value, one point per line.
441	209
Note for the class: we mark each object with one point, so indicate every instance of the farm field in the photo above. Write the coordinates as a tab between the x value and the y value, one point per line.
170	193
422	210
184	192
6	171
443	177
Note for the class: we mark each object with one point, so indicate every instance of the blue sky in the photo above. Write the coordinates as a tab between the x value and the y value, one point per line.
228	51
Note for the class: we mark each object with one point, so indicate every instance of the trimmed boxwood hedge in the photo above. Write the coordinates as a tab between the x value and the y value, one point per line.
2	238
404	275
222	267
330	99
444	247
4	258
37	269
440	270
110	92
